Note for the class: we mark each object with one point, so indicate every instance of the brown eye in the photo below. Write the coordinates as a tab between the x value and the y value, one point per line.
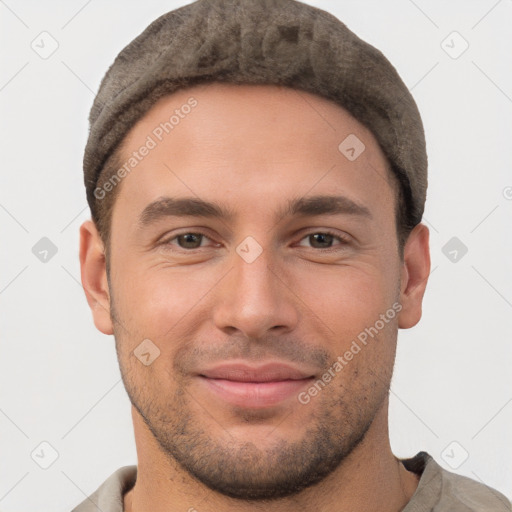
186	240
190	240
321	240
324	240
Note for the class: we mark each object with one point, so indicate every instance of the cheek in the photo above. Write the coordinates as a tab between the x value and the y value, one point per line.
155	300
348	298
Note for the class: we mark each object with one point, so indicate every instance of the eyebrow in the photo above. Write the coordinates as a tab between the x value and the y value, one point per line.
164	207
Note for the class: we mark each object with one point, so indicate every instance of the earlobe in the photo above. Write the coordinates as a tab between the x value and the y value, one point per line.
414	276
94	276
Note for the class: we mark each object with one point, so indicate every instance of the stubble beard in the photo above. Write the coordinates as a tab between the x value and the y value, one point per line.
237	467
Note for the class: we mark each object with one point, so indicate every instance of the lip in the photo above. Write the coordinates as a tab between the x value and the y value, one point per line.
253	387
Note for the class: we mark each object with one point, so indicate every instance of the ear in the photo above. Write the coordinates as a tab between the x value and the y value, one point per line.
414	276
93	272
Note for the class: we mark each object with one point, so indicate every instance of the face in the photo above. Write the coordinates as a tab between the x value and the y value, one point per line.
256	287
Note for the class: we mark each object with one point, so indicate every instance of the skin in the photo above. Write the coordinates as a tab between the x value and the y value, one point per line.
303	300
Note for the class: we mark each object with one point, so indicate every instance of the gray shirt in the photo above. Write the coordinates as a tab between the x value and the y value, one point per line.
438	490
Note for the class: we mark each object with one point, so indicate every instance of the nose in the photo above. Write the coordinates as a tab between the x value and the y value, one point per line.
255	298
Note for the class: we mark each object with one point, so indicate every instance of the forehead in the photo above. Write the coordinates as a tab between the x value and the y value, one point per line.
249	142
275	114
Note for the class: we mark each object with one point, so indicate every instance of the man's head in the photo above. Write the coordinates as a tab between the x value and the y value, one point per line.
279	42
255	240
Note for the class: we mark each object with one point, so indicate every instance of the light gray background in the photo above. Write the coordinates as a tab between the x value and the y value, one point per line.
59	378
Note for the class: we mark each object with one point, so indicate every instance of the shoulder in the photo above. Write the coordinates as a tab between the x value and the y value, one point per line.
109	495
475	496
447	491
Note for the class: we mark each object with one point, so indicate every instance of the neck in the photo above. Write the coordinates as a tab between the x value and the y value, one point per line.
369	478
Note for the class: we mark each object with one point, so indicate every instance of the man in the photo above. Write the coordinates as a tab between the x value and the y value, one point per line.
257	176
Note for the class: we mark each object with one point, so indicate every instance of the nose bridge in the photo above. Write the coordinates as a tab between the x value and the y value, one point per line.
252	298
254	272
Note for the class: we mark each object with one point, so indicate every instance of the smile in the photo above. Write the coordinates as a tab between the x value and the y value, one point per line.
245	386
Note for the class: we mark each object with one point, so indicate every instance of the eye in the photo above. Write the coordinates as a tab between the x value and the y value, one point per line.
188	240
324	239
319	240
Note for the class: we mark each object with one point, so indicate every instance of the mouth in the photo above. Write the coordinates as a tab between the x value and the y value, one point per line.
252	387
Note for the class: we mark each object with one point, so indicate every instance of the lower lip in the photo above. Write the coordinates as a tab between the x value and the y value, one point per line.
255	394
